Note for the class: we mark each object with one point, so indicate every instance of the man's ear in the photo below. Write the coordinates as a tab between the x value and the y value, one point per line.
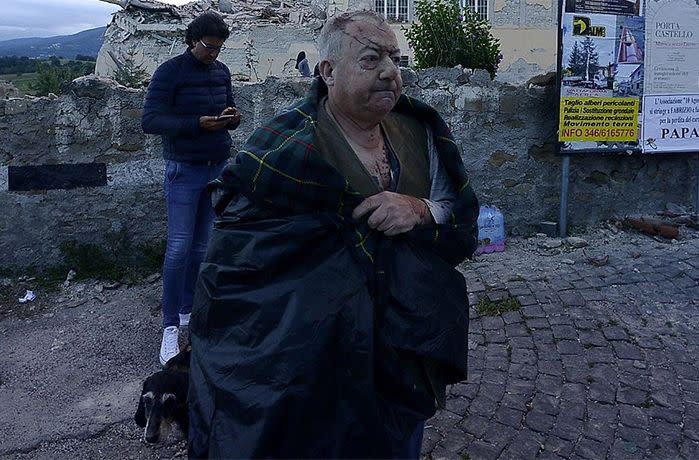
327	72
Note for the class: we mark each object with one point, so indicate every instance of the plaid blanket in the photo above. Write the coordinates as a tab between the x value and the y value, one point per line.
279	166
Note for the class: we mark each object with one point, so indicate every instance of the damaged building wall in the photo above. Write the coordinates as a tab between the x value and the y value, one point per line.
528	33
92	136
268	34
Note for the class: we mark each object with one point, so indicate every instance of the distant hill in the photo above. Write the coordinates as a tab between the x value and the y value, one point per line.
87	43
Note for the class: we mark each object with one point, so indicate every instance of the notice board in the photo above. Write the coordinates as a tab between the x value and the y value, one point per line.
629	76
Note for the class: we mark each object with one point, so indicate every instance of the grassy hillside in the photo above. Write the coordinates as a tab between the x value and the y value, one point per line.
87	42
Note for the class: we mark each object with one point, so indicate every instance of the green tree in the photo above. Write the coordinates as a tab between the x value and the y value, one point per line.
49	78
590	58
52	77
129	73
576	61
445	35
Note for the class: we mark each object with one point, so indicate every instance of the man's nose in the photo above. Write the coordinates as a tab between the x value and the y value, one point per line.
389	69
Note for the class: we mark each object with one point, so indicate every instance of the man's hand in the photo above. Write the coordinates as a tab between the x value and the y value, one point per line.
234	120
209	123
393	213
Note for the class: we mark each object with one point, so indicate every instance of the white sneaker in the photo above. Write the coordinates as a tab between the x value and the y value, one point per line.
169	346
184	319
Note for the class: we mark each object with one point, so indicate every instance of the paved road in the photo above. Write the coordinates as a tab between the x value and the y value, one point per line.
598	362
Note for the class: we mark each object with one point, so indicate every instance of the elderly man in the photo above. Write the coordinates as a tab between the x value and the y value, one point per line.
328	317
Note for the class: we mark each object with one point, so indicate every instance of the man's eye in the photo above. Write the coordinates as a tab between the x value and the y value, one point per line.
395	59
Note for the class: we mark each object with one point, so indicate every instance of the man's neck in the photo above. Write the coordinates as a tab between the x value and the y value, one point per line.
365	134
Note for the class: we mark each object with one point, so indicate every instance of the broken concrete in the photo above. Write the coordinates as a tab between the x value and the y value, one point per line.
8	90
265	35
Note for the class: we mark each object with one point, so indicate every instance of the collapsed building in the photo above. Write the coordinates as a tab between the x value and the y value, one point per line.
266	35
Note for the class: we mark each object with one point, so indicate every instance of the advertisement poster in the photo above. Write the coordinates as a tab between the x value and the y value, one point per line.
602	78
588	55
616	7
629	76
609	119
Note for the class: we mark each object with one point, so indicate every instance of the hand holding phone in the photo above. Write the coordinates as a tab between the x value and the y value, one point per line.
231	116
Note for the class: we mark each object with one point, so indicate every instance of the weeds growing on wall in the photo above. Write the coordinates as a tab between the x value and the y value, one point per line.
130	73
446	35
118	259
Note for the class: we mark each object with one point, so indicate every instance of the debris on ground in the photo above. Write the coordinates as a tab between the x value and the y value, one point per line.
29	296
576	242
654	227
598	261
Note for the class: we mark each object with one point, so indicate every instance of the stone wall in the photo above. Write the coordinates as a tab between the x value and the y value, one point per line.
506	134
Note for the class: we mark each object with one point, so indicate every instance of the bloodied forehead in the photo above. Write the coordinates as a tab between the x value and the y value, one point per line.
361	34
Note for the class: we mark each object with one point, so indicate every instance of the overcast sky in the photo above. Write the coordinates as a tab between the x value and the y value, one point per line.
46	18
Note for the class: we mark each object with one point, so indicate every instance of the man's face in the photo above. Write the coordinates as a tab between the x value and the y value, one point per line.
365	81
207	49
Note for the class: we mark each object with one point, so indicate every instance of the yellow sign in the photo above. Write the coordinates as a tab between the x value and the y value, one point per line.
582	26
598	119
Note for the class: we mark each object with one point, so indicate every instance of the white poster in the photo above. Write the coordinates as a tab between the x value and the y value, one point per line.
672	47
671	123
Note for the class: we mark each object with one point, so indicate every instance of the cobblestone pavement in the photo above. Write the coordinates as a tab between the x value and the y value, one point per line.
598	362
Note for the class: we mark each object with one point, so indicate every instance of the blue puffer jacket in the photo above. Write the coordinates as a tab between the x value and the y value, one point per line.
182	90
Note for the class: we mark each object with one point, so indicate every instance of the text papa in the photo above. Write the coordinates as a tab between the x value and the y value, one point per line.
679	133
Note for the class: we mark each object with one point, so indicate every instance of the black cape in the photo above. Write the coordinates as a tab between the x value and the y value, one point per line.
313	336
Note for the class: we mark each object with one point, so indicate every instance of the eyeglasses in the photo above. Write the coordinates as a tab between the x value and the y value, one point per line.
212	48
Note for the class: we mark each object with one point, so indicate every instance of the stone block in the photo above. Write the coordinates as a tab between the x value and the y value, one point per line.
500	157
14	106
510	102
481	77
469	99
132	114
436	77
91	86
408	76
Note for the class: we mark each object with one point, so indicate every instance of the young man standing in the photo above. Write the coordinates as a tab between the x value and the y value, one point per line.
190	104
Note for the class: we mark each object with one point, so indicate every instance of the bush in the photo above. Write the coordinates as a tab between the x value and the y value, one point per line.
446	36
52	75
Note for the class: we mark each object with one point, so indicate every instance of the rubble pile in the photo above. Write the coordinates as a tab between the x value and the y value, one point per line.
160	20
8	90
148	32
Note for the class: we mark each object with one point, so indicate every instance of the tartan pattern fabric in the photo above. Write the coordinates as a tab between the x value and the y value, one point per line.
279	166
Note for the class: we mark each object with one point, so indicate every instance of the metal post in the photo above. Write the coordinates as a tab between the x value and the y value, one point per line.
563	219
696	196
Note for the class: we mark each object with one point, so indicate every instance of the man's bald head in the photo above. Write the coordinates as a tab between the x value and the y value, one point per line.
335	29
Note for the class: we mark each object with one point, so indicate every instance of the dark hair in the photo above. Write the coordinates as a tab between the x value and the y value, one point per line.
301	56
208	24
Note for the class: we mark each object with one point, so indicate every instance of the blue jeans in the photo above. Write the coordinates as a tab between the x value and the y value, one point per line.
411	450
189	221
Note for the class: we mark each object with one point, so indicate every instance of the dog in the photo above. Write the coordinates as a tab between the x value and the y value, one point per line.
163	401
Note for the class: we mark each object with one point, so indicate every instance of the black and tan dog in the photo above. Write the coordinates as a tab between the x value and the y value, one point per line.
163	400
